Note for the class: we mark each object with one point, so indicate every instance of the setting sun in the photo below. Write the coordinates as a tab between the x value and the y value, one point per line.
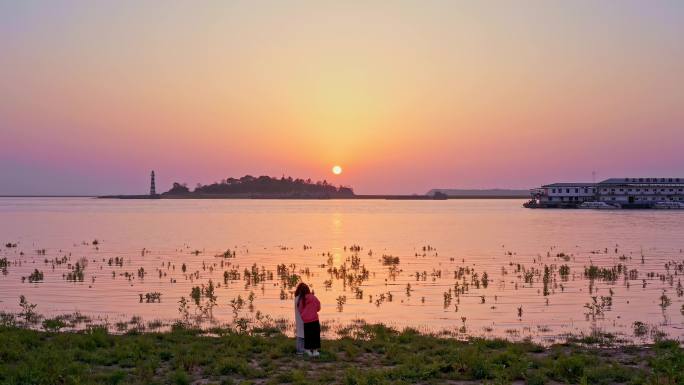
540	140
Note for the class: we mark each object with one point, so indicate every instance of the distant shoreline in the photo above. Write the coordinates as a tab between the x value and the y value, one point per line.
356	197
49	196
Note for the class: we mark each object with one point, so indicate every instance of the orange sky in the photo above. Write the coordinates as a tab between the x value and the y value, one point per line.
405	96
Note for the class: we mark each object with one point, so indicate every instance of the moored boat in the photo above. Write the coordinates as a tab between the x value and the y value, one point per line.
622	193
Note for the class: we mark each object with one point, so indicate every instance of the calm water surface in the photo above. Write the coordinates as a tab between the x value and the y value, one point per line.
444	249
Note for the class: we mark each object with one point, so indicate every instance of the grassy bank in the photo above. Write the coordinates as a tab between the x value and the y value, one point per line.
375	355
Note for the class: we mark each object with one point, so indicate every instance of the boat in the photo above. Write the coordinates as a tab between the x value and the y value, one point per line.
668	205
623	193
598	206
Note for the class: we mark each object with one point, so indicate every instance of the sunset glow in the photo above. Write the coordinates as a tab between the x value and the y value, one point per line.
334	192
412	95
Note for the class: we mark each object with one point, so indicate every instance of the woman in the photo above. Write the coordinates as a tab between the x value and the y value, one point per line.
299	324
309	306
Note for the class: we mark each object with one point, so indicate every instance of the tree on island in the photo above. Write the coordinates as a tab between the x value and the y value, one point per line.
265	186
178	189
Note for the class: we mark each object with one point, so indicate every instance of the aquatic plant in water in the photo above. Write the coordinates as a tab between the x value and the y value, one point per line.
665	301
341	300
205	301
640	329
28	311
36	276
77	272
228	254
597	308
564	271
389	260
151	297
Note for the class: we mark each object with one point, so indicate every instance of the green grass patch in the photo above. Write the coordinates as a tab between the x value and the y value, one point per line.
377	355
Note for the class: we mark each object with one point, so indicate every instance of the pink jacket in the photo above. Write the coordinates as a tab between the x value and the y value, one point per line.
309	307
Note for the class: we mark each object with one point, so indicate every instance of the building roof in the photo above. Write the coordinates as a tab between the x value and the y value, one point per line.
578	184
620	181
643	180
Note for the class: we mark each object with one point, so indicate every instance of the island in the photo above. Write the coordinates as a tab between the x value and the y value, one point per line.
266	187
263	187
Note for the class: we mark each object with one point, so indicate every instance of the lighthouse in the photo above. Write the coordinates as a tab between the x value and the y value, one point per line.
153	191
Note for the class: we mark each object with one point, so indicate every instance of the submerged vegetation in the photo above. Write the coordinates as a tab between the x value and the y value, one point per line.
515	296
225	326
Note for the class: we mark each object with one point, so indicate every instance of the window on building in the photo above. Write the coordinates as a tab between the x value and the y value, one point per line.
567	191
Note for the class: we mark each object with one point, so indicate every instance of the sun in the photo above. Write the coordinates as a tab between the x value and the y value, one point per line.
337	170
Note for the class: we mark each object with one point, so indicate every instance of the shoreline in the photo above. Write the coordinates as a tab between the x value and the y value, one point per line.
48	196
366	354
356	197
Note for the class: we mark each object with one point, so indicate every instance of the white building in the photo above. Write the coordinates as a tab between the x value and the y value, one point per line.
641	190
564	193
628	192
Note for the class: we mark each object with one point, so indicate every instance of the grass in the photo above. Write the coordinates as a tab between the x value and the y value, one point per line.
375	355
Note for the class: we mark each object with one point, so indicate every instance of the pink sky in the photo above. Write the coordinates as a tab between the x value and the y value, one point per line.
405	96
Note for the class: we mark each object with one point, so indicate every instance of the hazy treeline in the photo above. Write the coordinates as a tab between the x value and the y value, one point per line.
264	185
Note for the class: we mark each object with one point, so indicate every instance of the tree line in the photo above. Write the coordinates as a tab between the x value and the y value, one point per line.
264	185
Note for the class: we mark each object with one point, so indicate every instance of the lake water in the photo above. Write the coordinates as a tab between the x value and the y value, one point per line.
444	249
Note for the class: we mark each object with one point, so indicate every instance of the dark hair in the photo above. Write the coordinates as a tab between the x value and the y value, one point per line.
301	292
